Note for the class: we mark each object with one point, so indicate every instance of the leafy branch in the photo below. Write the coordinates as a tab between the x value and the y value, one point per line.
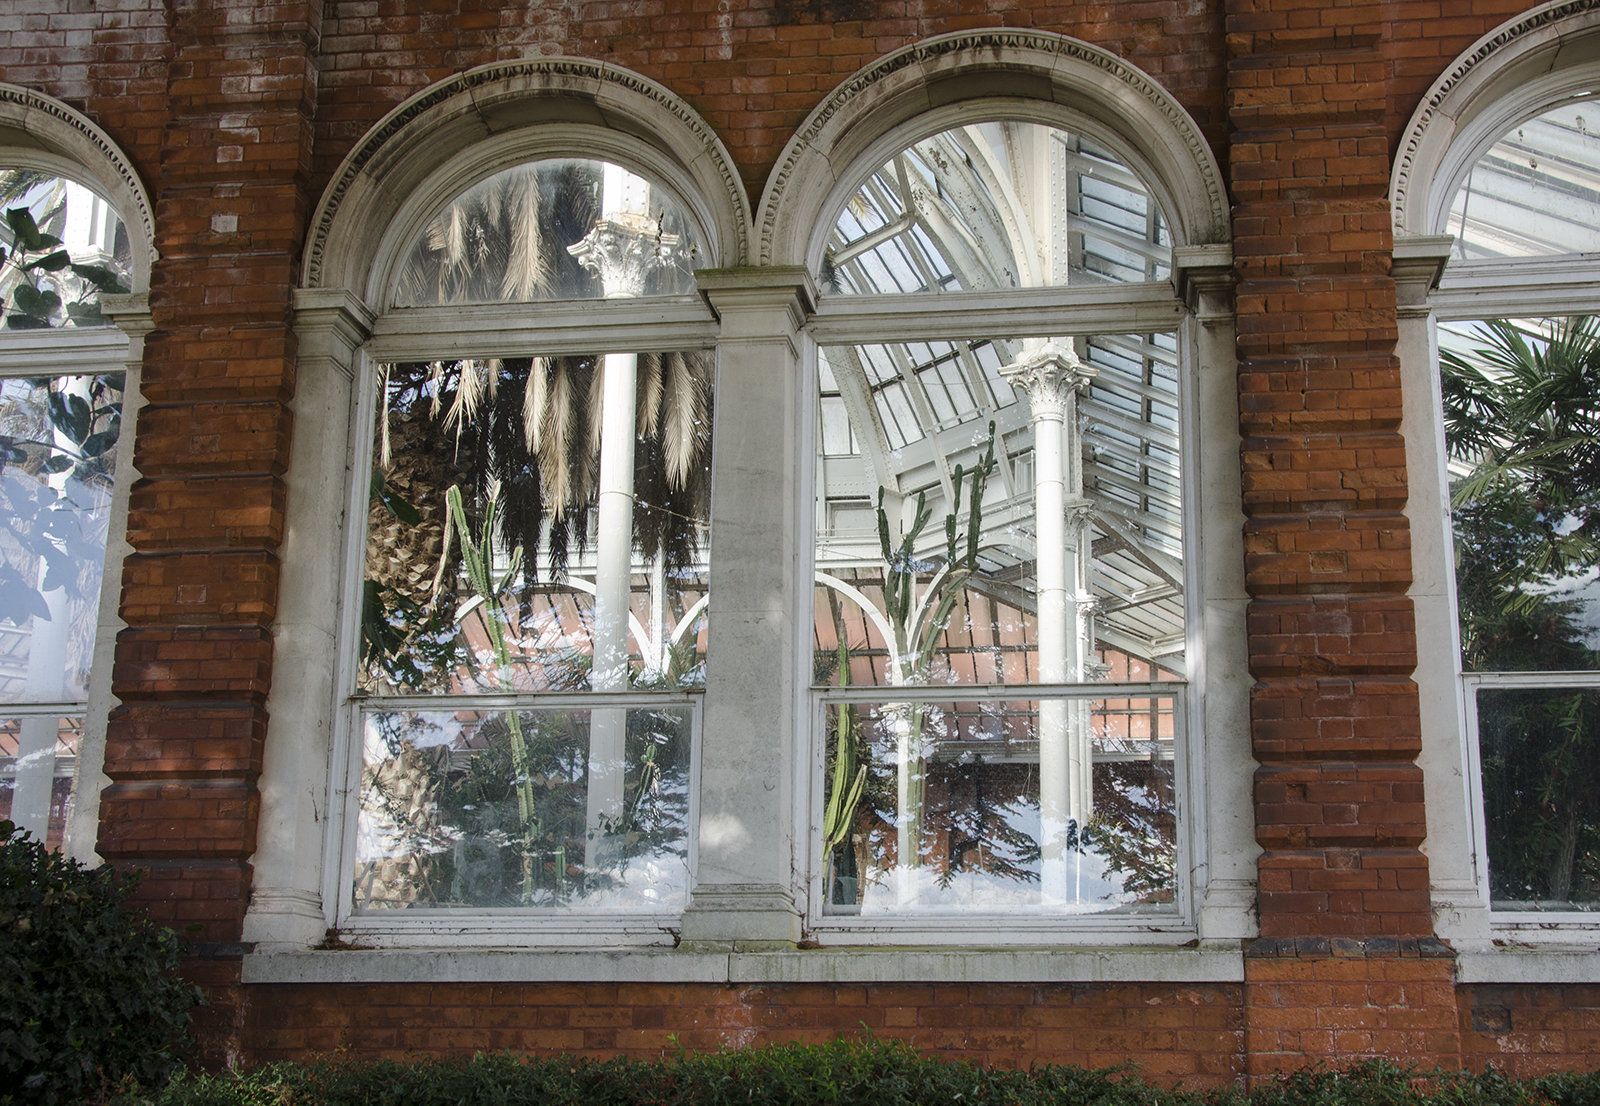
38	266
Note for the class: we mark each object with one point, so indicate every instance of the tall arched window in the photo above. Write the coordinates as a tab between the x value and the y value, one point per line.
1000	528
63	246
533	583
1499	183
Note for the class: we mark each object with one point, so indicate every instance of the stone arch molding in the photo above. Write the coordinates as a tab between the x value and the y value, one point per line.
1528	64
44	133
444	138
985	74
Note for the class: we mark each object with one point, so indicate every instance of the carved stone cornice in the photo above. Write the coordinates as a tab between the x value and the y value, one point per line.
987	48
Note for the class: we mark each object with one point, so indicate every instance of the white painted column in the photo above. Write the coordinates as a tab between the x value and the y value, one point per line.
1050	374
744	892
613	585
294	895
621	249
1216	759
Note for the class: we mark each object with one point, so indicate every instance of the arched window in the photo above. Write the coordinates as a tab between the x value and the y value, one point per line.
1499	182
533	588
1024	420
63	245
1000	526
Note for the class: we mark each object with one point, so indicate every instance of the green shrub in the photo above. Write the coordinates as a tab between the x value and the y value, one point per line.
85	992
844	1073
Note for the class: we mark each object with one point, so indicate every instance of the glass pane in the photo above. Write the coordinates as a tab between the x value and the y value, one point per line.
560	229
64	246
1524	464
997	205
583	809
939	544
937	806
539	525
1540	751
58	441
38	763
1536	192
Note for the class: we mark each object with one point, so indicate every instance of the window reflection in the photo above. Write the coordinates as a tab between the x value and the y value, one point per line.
996	206
1535	192
535	232
63	247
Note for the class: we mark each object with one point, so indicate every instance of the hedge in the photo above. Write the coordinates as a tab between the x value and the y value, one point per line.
845	1073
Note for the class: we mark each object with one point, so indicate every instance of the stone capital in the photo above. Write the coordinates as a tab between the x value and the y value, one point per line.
1049	375
622	250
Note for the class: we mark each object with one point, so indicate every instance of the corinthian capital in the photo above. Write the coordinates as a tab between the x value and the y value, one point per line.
622	250
1049	375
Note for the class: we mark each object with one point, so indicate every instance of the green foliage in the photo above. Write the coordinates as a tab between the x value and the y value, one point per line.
86	986
844	1073
41	271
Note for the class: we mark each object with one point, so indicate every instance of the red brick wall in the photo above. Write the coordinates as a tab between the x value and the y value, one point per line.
236	113
1192	1033
1527	1030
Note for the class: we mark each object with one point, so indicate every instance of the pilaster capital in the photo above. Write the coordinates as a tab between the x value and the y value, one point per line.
130	311
1204	277
1079	512
1049	375
787	288
331	322
1419	262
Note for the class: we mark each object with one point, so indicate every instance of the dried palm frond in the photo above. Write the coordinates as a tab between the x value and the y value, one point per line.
527	272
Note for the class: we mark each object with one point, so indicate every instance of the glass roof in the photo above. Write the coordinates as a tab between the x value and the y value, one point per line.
997	205
1536	192
903	416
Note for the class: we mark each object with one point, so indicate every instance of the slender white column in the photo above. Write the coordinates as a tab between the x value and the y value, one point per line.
613	581
658	612
1051	374
621	249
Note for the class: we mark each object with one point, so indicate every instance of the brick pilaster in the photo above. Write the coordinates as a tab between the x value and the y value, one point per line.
1338	794
205	519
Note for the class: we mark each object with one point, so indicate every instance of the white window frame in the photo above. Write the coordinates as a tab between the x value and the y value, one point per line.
540	329
758	321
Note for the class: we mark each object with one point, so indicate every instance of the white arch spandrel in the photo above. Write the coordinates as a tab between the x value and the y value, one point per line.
464	128
969	76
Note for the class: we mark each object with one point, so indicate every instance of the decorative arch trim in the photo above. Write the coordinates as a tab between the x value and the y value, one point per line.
1527	63
54	129
995	65
425	132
